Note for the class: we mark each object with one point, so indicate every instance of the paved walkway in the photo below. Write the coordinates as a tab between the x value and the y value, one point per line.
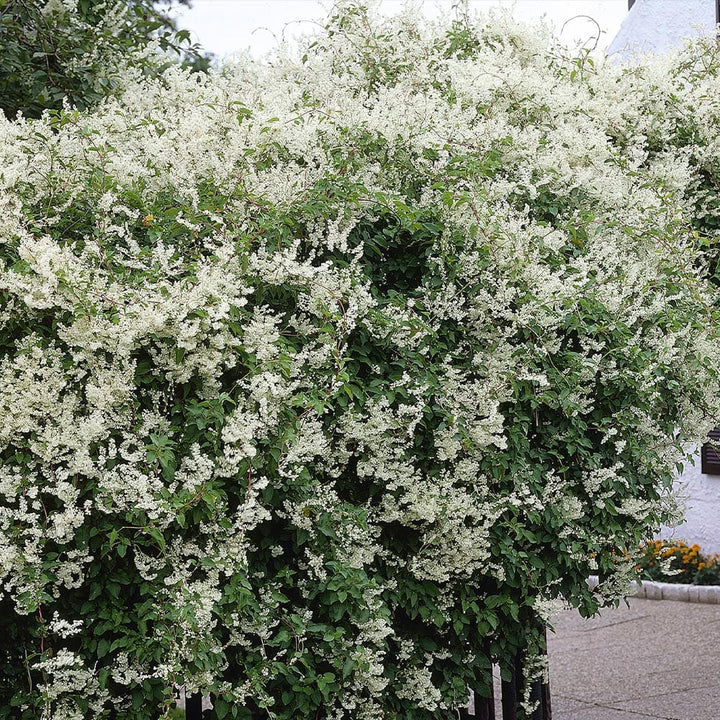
657	659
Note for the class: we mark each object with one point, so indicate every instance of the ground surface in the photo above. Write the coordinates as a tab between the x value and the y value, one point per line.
655	659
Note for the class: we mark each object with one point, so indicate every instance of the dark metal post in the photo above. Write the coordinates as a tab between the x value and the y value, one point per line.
193	707
545	701
485	707
511	690
540	694
545	687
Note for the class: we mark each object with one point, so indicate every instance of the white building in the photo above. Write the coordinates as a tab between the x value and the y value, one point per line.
657	26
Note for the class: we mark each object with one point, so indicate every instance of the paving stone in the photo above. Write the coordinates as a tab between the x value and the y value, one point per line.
694	704
658	660
595	712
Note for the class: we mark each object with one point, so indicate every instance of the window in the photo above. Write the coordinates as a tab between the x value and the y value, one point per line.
710	454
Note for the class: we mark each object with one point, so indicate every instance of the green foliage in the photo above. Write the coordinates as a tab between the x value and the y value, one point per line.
81	50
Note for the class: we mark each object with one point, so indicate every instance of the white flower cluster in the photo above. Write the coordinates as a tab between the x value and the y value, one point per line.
300	359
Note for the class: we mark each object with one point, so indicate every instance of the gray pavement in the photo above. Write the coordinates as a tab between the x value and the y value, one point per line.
656	659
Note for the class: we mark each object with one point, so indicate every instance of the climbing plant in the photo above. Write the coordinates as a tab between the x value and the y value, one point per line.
321	378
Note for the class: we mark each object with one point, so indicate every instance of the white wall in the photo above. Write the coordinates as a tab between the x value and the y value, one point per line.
657	26
702	516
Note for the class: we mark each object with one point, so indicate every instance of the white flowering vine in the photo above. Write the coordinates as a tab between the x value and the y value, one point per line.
322	377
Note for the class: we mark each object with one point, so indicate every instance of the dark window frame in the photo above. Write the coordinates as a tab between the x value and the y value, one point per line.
710	454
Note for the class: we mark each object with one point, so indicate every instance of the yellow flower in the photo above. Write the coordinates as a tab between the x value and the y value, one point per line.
148	220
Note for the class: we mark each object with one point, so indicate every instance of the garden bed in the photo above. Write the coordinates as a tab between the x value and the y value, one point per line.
674	570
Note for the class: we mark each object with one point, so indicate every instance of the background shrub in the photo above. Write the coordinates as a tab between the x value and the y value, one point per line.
676	561
79	51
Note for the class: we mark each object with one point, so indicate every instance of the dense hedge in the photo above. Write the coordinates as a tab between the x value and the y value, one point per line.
319	378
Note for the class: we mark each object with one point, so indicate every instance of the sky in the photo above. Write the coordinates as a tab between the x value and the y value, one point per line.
227	26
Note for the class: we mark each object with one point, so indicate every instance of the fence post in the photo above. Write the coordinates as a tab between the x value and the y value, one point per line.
485	707
193	707
481	708
541	691
511	690
540	694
